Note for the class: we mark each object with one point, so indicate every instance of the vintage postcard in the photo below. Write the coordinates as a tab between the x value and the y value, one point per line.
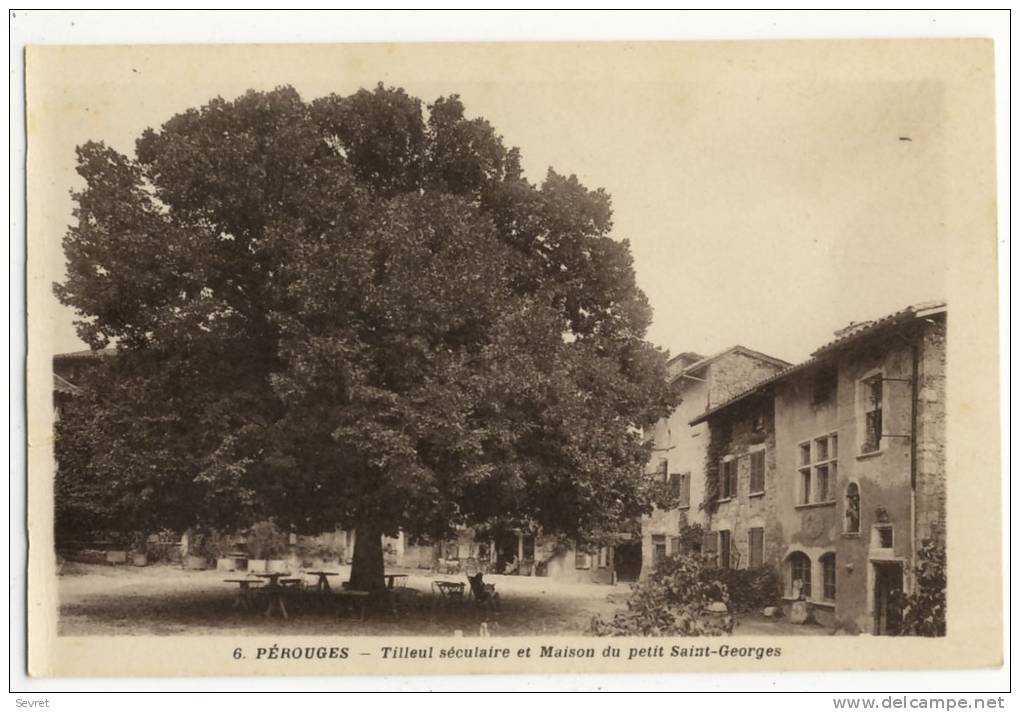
492	358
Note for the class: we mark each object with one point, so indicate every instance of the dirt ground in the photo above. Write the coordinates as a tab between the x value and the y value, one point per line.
166	600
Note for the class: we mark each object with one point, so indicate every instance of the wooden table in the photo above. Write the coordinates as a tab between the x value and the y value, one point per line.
274	577
352	596
390	578
323	584
245	594
275	592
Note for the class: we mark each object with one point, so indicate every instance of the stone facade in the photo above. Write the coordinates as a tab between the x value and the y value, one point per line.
738	435
855	468
681	450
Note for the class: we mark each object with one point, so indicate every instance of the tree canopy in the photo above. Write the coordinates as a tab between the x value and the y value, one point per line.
355	310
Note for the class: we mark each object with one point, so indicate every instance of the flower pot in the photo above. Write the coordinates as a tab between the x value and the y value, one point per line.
140	559
276	566
195	563
257	566
116	557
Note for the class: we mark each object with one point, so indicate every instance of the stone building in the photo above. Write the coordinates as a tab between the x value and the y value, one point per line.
854	466
680	450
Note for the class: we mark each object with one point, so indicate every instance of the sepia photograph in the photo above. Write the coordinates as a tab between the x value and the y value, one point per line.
397	354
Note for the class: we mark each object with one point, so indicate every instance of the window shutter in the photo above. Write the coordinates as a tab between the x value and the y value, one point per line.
711	544
757	544
685	490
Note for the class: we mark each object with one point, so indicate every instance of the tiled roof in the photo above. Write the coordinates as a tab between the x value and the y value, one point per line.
702	362
846	337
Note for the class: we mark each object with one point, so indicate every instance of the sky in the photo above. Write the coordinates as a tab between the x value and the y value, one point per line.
768	200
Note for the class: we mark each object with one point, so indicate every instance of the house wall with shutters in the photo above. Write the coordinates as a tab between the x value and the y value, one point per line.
736	433
577	566
684	447
881	478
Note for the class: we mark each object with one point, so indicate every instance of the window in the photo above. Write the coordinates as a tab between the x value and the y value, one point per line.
728	478
883	537
870	404
816	481
823	388
755	547
757	484
582	560
680	487
852	509
724	549
658	549
603	557
800	575
758	423
828	577
674	545
662	471
710	547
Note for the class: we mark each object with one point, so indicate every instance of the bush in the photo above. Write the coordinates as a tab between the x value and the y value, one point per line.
266	541
749	589
924	610
673	601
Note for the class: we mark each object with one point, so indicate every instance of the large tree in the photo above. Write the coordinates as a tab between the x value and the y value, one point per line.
357	310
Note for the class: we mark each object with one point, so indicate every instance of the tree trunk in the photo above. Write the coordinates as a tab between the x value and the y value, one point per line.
367	566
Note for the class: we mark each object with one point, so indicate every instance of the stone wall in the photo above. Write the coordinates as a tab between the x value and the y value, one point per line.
735	372
736	432
930	497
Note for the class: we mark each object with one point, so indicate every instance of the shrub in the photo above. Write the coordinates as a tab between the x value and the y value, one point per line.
673	601
749	589
924	610
266	541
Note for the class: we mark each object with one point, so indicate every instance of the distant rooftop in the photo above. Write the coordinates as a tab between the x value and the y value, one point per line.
701	362
85	354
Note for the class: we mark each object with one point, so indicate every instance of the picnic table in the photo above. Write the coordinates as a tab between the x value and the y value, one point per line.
274	590
353	597
245	594
323	583
390	578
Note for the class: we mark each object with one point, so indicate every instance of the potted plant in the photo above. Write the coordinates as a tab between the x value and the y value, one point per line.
197	556
267	546
139	549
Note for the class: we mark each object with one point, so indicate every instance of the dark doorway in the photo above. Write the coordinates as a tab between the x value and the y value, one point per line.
888	581
506	551
627	560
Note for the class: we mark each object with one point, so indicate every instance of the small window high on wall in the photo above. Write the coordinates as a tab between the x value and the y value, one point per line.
870	398
852	509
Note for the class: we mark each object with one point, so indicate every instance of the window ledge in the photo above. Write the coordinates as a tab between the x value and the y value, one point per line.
723	500
867	455
812	505
756	494
851	535
810	602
